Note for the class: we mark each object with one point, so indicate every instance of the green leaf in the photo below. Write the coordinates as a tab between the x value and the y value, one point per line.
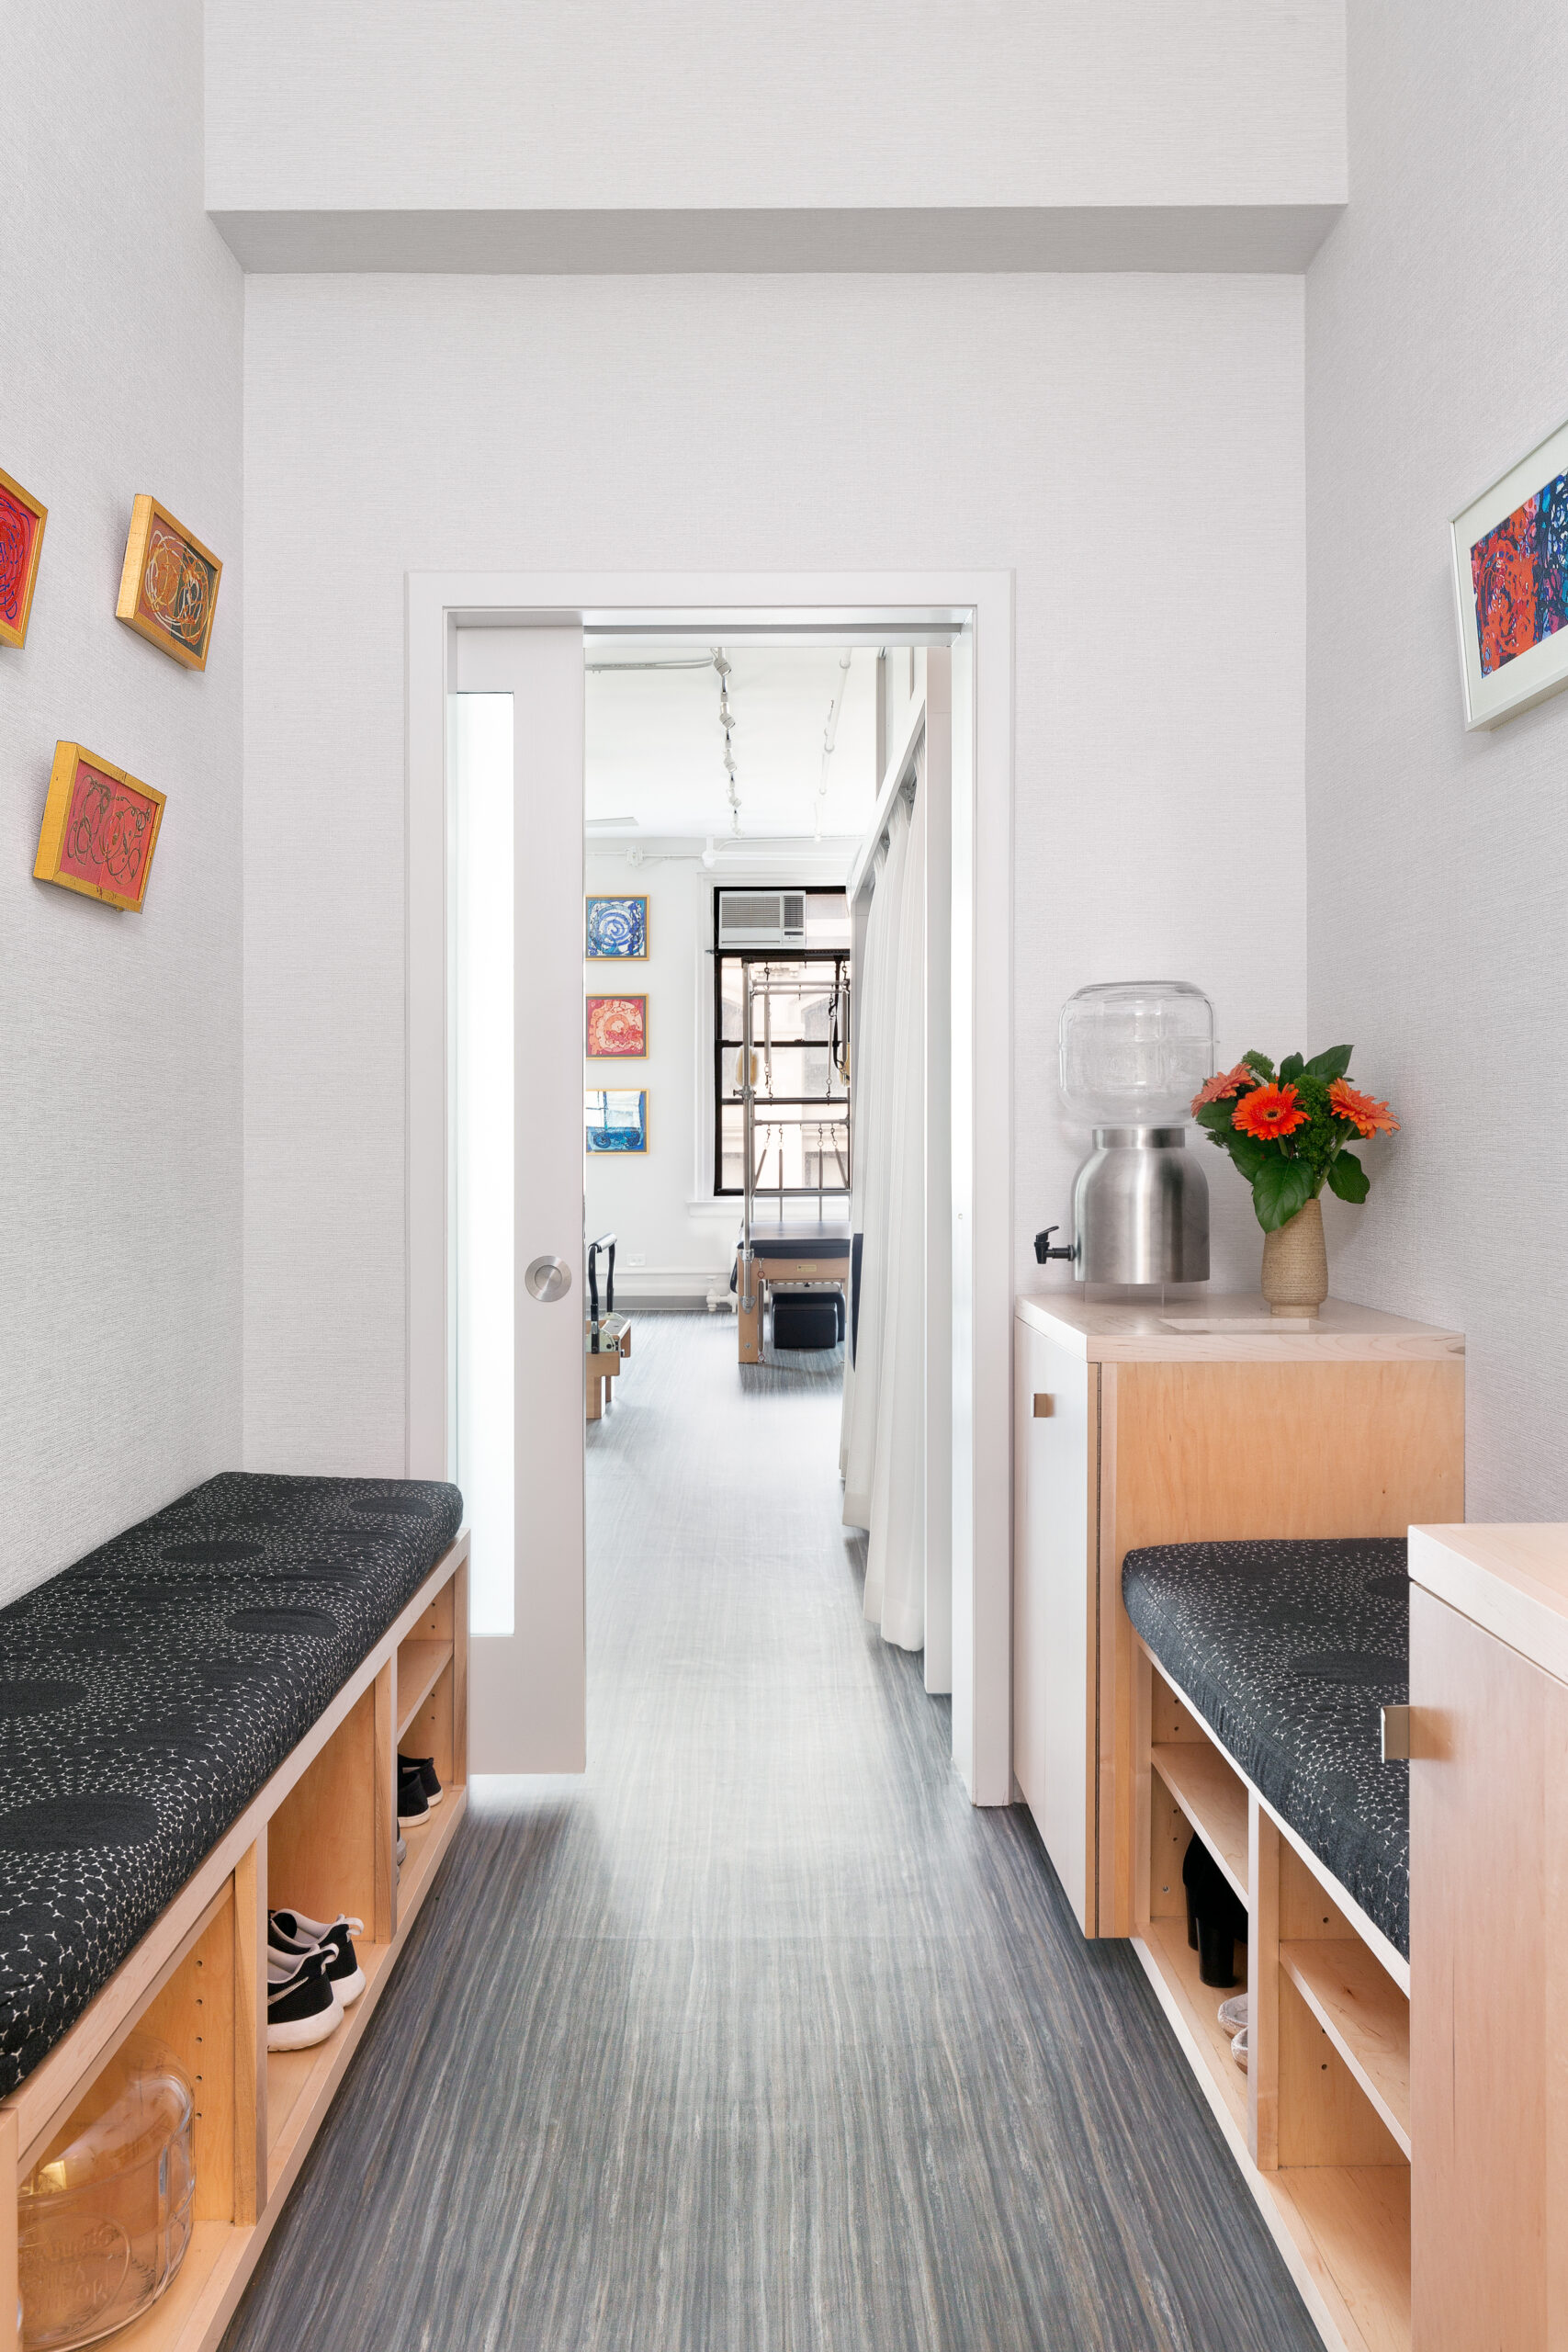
1249	1155
1331	1065
1291	1069
1262	1064
1349	1178
1278	1190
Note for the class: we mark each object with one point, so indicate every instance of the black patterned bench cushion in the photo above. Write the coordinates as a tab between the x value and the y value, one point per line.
147	1693
1290	1650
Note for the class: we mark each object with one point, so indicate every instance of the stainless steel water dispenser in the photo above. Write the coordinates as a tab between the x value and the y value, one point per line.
1134	1053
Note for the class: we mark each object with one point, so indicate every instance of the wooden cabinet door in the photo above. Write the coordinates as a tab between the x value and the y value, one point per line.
1488	1992
1054	1458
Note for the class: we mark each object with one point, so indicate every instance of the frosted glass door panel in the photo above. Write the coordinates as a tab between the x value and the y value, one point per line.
483	1188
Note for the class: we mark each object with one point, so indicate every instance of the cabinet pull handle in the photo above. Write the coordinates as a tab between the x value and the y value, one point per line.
1416	1735
1044	1407
1395	1735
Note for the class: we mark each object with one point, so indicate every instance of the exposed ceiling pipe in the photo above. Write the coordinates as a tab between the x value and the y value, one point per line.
829	737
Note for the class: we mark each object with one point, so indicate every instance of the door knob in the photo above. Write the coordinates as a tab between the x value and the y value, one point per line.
548	1279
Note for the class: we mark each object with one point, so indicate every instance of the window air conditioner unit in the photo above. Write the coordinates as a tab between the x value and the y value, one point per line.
762	918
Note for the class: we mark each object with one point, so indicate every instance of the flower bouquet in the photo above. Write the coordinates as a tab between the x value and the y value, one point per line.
1289	1132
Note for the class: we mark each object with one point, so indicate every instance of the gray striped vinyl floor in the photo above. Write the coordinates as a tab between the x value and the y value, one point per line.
759	2038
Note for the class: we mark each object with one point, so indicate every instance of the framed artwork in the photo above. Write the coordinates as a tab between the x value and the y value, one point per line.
168	589
1510	559
615	1119
21	539
618	1028
616	927
100	829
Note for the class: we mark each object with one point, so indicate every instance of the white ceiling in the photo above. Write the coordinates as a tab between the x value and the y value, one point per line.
654	747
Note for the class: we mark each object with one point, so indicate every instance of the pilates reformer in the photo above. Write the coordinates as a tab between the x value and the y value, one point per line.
607	1337
802	1269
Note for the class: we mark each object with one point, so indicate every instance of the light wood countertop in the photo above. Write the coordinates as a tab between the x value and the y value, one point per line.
1227	1329
1511	1581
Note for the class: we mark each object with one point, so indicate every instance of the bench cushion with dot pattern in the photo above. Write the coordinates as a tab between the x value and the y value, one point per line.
1290	1650
147	1694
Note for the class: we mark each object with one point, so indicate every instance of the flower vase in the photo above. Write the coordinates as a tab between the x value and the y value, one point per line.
1295	1263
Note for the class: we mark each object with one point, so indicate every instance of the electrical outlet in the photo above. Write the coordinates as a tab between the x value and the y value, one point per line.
639	1261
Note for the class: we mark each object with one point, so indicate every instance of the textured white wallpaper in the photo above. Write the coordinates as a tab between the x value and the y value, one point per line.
1131	447
122	325
397	105
1438	862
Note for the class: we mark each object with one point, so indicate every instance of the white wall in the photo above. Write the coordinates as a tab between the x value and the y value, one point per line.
119	1034
1131	447
809	106
1437	861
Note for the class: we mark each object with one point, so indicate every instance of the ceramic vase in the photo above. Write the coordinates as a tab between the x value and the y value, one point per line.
1295	1263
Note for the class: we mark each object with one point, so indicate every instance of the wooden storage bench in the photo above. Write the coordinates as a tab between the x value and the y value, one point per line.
320	1836
1320	2121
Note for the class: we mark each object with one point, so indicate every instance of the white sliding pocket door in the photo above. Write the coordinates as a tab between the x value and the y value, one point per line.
515	1206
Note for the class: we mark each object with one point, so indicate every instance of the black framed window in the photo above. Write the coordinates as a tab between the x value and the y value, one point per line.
800	1003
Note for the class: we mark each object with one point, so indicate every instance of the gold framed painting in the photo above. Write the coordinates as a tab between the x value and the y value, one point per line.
22	518
100	827
168	589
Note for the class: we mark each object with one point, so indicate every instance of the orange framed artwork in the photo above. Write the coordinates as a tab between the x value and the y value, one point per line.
618	1028
22	519
168	589
100	829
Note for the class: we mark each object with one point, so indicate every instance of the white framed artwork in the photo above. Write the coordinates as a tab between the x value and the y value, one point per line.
1510	562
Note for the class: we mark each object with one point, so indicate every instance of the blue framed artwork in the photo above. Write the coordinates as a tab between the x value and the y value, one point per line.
615	928
615	1118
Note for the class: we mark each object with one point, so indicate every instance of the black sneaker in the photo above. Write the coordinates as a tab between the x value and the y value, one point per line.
425	1767
414	1805
292	1936
301	2006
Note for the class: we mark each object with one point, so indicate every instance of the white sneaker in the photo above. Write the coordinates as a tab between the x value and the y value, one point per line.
1234	2013
1240	2049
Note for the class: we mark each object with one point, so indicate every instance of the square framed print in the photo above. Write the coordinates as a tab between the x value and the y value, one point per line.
617	1028
168	589
100	829
1510	561
615	1119
22	518
614	928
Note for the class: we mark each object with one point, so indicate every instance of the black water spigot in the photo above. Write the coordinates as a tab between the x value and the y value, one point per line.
1042	1250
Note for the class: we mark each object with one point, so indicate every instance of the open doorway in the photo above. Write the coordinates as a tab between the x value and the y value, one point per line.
730	791
512	636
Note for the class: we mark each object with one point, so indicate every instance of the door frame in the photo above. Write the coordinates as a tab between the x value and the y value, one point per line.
981	604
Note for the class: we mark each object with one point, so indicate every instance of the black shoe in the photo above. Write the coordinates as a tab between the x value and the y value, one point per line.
1213	1909
414	1805
293	1937
425	1767
301	2006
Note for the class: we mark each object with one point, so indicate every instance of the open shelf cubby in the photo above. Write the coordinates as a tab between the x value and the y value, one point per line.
319	1838
1320	2121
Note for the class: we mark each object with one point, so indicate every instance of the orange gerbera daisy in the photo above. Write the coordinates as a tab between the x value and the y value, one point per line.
1271	1111
1368	1118
1221	1088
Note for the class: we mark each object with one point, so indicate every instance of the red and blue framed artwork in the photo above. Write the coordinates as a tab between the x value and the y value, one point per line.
1510	558
22	518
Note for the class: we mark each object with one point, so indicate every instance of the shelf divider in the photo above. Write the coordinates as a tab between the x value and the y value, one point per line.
1365	2016
1213	1797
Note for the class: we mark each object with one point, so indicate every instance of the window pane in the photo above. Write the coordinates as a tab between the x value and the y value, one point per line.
792	1141
785	1070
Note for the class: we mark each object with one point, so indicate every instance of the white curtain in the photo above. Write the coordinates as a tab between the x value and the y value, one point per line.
884	1403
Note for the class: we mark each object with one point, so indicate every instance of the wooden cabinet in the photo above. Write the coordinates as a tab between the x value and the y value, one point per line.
1489	1939
1200	1423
